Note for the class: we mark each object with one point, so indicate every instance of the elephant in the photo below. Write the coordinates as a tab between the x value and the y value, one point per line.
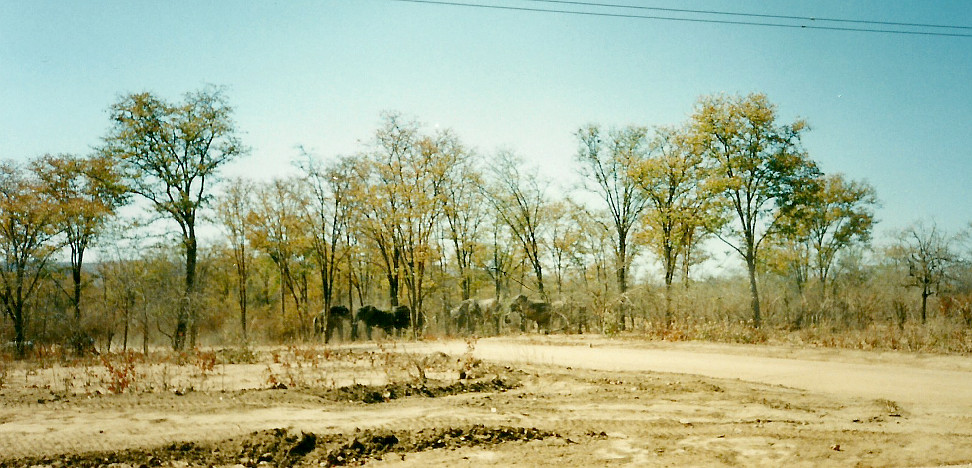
465	316
335	318
403	319
372	317
471	314
547	316
398	320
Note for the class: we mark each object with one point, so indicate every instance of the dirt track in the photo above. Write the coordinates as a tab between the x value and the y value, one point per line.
902	378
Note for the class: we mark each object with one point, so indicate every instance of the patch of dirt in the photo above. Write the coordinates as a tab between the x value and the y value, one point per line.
280	447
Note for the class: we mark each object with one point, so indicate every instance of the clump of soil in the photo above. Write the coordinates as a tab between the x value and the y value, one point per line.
375	444
279	447
431	389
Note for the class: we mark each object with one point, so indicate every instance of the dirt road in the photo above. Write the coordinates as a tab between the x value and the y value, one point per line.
902	379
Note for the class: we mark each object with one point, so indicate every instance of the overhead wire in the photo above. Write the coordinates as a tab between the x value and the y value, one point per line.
751	15
687	20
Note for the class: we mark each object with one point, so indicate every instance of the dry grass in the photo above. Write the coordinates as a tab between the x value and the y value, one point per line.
295	366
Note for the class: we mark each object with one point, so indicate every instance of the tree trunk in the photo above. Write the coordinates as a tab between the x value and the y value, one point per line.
76	299
20	339
125	337
622	265
241	274
538	270
668	303
924	303
186	313
751	266
145	334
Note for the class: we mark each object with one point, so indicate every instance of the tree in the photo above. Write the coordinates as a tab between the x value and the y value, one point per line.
171	154
521	203
28	228
464	214
87	192
565	239
402	197
930	256
758	168
380	197
232	210
674	181
280	229
836	215
329	212
607	163
423	177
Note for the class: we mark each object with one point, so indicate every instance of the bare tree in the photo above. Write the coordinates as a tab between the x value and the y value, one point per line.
464	213
929	254
607	163
329	212
520	201
232	210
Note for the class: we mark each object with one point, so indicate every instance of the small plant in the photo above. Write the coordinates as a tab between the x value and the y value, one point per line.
205	361
121	375
468	362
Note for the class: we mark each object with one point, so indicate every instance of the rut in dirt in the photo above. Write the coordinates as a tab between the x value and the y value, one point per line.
280	447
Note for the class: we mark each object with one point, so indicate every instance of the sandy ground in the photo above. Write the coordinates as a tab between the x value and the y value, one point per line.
935	382
607	403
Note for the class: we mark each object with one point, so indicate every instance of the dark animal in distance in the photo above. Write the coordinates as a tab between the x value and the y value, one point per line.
334	319
398	319
544	314
403	318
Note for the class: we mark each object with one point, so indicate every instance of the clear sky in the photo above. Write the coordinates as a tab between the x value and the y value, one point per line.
895	110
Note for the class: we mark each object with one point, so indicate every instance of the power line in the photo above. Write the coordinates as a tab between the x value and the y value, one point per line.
686	20
752	15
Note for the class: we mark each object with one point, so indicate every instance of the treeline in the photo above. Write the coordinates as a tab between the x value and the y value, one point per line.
420	219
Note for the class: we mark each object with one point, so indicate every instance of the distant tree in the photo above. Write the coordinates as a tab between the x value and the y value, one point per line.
232	209
329	211
380	198
565	239
86	192
758	166
171	155
521	203
674	181
401	197
28	229
123	271
464	213
279	229
930	256
606	160
835	215
499	258
423	177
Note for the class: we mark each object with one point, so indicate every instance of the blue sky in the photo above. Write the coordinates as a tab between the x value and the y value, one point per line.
894	110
